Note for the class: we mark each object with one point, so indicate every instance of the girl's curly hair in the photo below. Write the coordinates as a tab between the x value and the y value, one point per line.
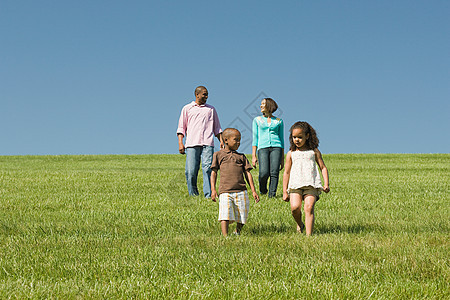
312	142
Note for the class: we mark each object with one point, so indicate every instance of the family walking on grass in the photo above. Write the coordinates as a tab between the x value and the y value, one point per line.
199	124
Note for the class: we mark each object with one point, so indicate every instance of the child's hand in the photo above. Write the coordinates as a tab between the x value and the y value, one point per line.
326	188
256	196
285	196
213	195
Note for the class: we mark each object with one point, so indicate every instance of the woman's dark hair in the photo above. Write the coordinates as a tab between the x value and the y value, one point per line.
271	105
312	142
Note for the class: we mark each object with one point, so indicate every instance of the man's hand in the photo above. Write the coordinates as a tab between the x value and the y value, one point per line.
182	149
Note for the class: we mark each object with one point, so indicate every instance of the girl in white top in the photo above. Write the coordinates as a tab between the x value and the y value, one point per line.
301	179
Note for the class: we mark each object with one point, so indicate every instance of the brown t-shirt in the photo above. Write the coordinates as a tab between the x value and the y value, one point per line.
232	166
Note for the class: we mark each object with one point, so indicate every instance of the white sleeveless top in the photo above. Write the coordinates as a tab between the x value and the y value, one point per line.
304	170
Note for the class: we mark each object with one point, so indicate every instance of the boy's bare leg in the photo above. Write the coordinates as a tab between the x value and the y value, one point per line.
296	210
239	228
224	226
309	213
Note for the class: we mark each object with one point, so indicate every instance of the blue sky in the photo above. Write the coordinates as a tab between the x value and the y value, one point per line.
111	77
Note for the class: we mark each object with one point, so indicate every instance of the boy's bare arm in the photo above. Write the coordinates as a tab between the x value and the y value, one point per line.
249	178
213	185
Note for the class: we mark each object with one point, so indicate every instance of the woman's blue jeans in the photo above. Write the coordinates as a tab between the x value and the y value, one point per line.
193	157
269	167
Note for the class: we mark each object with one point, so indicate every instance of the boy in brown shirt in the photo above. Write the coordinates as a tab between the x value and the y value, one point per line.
233	197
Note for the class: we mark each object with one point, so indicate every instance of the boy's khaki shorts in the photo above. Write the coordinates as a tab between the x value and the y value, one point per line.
234	207
307	190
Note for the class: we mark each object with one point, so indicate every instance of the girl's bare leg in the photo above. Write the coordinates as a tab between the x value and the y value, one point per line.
309	213
224	226
296	210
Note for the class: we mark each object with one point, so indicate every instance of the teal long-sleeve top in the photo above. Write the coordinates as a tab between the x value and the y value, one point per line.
267	135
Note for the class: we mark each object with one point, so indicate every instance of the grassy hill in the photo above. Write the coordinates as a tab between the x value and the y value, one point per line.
124	227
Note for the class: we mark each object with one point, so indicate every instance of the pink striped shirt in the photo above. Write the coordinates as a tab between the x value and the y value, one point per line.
199	124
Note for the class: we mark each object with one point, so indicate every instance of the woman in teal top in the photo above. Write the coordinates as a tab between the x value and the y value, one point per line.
268	142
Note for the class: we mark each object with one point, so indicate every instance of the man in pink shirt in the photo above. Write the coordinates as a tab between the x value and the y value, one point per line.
199	123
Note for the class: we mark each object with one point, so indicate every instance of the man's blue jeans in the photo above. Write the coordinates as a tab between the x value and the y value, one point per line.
269	167
193	157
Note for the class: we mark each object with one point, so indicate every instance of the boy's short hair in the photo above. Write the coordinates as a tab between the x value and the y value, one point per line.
228	132
199	89
271	105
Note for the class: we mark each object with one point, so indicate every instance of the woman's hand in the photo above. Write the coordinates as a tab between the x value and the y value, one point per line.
254	161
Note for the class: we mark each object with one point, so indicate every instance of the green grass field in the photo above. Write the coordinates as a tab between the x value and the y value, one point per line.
123	227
